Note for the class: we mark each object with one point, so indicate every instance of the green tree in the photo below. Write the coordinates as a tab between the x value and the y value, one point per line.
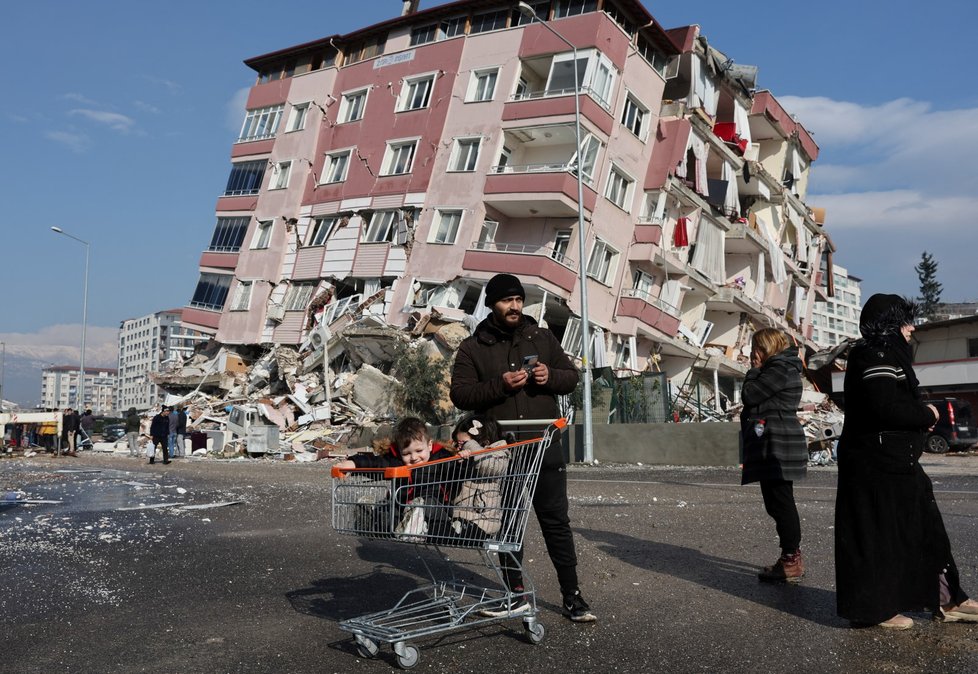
930	289
423	383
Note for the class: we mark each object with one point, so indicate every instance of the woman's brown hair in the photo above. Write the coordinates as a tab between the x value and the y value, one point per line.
769	341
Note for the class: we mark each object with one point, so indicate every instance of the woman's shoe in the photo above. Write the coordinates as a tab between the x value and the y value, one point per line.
897	622
965	612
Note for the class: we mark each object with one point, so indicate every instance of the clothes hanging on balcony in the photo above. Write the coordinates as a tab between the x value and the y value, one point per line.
680	235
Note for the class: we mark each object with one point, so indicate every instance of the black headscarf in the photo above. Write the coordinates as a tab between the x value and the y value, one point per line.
879	324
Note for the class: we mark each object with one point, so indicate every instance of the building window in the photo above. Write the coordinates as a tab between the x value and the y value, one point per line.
482	86
242	296
973	348
635	117
297	120
602	263
595	75
321	229
262	234
337	163
261	123
416	93
447	228
465	154
352	106
211	291
574	7
487	234
281	172
424	34
590	146
540	7
561	242
482	23
245	178
399	157
229	234
299	296
381	227
619	188
452	27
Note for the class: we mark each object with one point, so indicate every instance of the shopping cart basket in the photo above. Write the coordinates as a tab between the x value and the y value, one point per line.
481	503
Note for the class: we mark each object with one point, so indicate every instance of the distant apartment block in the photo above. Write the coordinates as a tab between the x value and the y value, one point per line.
407	162
837	318
59	388
145	345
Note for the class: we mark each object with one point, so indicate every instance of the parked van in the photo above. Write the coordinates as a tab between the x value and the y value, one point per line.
955	428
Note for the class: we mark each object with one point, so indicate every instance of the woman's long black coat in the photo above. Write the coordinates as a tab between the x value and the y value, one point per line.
890	541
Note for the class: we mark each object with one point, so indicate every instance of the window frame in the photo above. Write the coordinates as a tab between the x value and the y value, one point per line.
371	234
282	172
446	226
241	299
475	93
227	230
603	269
408	93
218	286
643	122
297	118
562	239
392	157
272	116
459	153
262	236
612	187
329	166
348	107
299	296
320	231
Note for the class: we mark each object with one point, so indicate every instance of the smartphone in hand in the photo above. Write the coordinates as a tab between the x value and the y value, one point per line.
530	362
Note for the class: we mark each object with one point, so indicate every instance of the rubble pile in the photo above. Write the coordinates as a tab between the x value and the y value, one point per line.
305	402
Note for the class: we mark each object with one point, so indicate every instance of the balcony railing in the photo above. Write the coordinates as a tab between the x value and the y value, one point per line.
553	93
525	249
648	298
533	168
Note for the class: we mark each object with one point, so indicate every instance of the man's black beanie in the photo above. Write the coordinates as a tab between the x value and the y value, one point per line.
503	285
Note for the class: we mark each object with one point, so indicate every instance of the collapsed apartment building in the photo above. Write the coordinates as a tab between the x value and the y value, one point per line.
386	174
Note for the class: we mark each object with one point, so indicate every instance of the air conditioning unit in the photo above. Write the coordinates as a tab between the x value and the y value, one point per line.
276	313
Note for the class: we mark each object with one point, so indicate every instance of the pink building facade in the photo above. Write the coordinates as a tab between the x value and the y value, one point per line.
400	166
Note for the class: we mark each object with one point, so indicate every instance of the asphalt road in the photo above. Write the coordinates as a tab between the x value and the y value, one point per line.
668	558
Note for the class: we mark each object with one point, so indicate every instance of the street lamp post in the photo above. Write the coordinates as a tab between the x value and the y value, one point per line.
528	11
80	396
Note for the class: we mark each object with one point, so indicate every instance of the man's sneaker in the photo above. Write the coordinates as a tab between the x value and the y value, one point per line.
512	609
577	609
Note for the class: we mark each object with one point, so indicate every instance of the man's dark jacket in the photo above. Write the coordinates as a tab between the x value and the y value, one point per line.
482	358
160	426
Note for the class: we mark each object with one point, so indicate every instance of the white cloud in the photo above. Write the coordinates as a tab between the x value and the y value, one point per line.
61	345
895	180
235	109
146	107
78	142
81	98
113	120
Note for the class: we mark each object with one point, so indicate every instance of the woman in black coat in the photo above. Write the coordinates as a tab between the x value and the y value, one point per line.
892	553
774	445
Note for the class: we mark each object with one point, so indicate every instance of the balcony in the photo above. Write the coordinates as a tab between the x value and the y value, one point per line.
522	260
741	239
533	105
646	237
219	259
651	311
535	191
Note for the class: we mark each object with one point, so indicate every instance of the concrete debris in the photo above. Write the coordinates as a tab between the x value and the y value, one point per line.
322	396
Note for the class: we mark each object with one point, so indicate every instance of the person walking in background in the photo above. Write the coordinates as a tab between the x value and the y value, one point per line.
159	431
892	552
511	368
775	452
69	430
173	423
181	431
132	431
87	427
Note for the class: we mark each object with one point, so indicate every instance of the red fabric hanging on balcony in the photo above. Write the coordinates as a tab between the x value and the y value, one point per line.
680	237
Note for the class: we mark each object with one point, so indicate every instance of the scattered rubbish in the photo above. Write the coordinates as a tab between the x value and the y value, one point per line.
78	470
208	506
151	506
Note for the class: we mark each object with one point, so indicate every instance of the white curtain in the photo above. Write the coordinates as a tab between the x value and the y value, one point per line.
599	357
731	203
765	221
704	92
741	121
708	256
761	282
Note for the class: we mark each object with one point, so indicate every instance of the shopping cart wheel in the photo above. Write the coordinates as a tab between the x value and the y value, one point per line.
367	648
407	655
535	631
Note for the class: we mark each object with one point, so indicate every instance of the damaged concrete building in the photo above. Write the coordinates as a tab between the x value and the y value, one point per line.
394	169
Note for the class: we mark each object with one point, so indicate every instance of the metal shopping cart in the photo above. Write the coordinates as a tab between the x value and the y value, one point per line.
480	503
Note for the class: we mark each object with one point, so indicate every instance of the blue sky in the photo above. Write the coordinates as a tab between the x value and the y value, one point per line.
119	119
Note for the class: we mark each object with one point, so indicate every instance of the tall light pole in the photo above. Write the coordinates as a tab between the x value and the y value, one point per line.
528	11
3	358
80	396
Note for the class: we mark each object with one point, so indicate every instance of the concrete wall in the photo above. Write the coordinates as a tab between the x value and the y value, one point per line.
706	444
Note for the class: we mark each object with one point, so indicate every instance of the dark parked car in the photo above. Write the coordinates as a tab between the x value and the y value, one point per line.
956	427
113	432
